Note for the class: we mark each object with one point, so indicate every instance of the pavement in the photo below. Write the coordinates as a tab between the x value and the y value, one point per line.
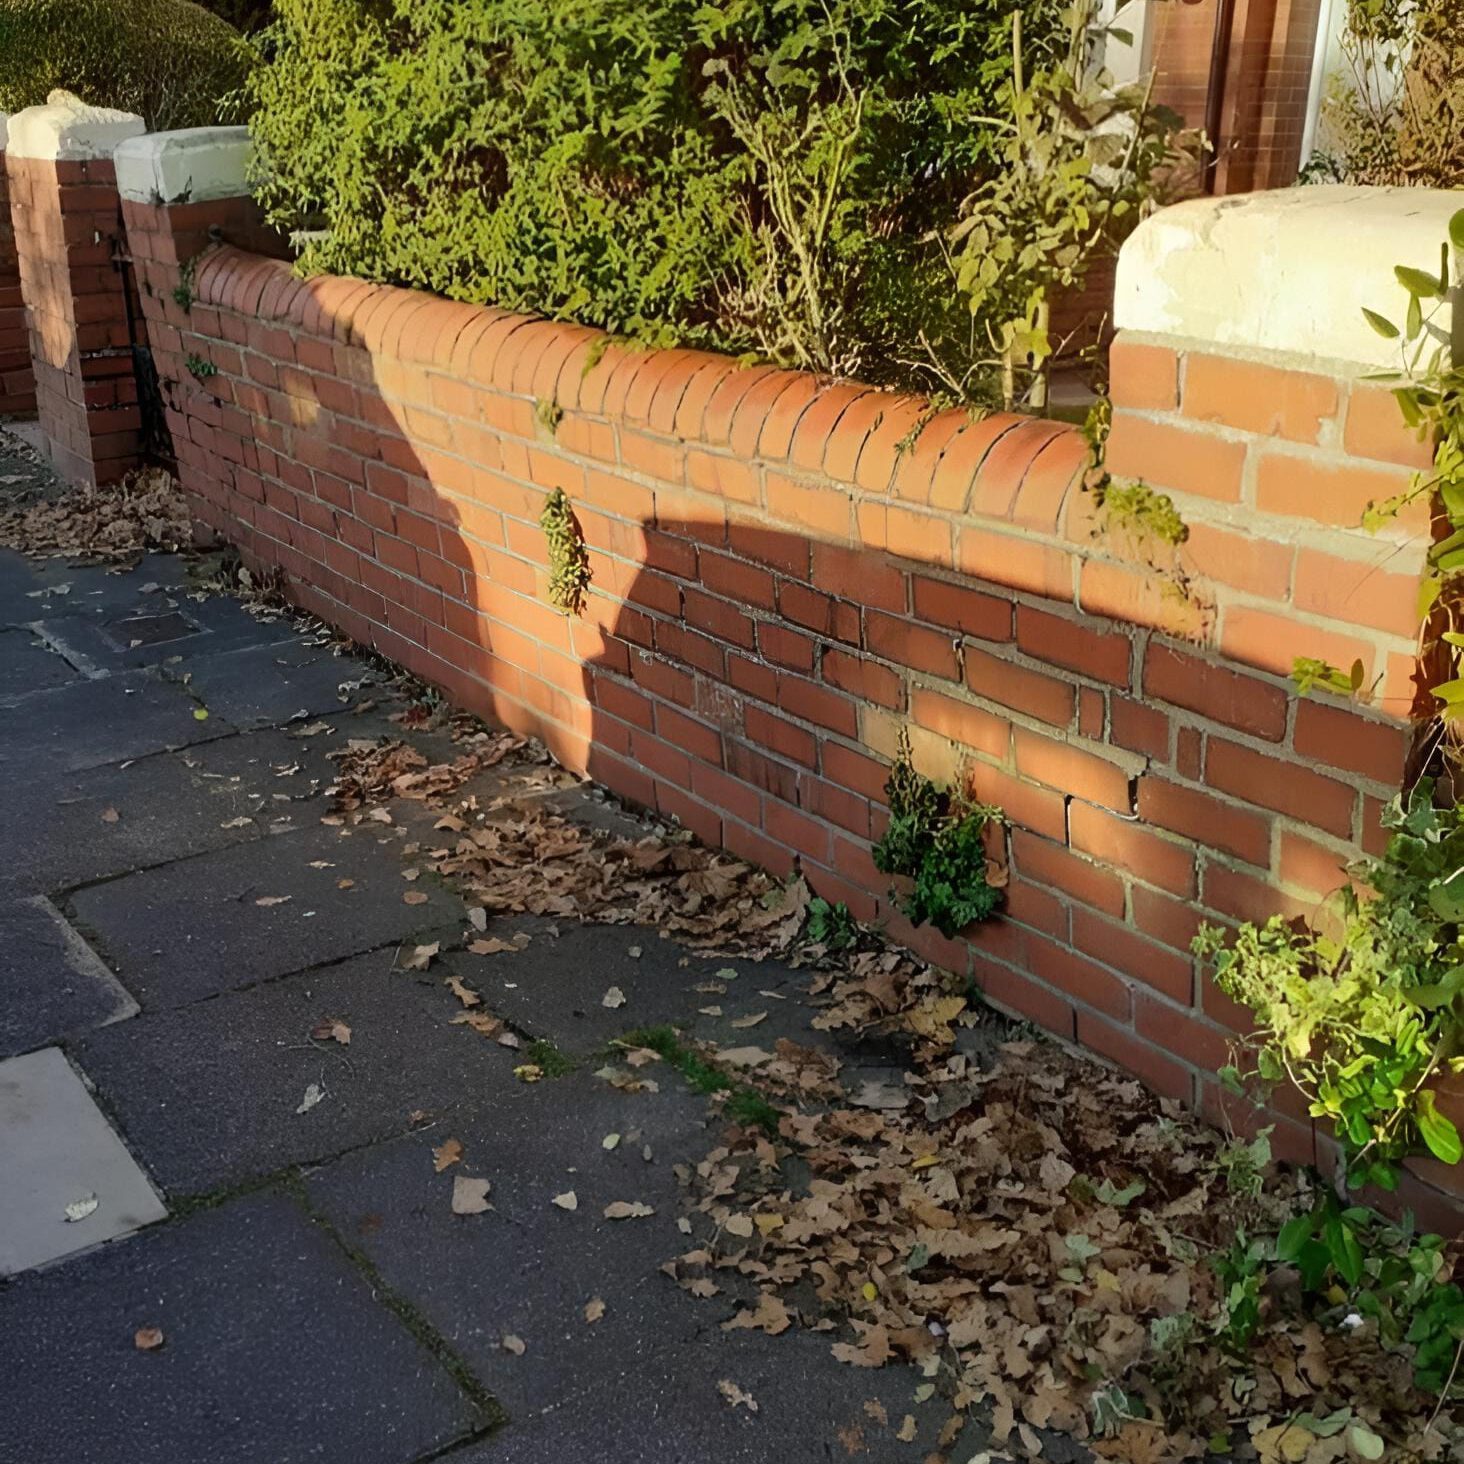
224	1240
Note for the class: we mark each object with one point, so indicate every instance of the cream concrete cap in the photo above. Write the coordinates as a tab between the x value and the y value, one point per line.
1288	270
66	129
187	166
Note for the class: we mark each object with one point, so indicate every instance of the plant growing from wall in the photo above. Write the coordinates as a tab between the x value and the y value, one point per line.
1363	1015
1083	161
569	563
936	838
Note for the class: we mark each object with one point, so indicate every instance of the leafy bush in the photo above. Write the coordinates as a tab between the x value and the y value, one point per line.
170	61
1395	114
760	175
1082	160
1364	1018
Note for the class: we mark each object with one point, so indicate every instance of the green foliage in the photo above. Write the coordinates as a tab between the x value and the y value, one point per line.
551	1062
1383	1272
1310	674
1242	1272
183	290
1366	1017
936	837
1142	511
1082	159
830	925
1429	389
761	175
569	563
199	368
548	414
170	61
1391	116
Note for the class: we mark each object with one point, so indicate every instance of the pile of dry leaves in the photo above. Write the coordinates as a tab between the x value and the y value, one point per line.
1037	1238
516	854
145	510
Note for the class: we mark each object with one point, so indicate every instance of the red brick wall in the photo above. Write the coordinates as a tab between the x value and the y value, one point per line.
67	226
17	385
781	581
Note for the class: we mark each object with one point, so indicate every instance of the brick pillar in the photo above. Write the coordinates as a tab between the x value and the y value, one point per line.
17	384
1240	388
67	230
181	193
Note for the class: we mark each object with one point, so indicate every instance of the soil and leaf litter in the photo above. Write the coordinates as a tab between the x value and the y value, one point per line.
1053	1250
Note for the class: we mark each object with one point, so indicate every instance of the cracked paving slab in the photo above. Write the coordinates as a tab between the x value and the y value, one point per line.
92	722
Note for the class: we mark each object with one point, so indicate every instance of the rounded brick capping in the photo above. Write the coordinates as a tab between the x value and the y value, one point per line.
1002	469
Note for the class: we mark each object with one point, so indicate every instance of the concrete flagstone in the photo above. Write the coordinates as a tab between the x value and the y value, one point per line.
69	1182
52	984
276	1349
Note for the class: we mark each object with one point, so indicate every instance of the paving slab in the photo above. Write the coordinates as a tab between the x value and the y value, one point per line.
97	721
52	984
28	665
236	916
74	828
23	583
527	1268
668	1407
262	686
208	1095
557	984
168	626
69	1181
275	1352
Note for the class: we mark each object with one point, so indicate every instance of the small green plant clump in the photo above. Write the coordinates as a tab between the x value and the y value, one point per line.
199	368
569	563
170	61
549	1059
936	838
1141	511
1364	1017
831	926
743	1105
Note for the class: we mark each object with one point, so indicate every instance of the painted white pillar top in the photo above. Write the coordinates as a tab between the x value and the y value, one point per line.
66	129
187	166
1288	270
